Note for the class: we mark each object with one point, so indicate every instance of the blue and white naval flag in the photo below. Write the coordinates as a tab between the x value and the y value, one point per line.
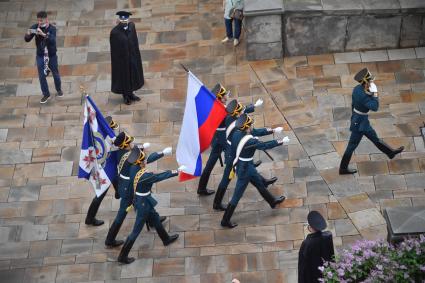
97	163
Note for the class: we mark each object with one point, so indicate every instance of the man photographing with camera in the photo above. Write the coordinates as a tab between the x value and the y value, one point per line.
47	60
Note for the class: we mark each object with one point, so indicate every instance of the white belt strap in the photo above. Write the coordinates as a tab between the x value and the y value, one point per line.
221	129
246	159
124	177
230	128
359	112
241	144
229	142
143	194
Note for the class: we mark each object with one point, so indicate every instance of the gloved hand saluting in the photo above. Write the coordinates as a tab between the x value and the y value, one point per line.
146	145
277	130
258	103
284	140
167	150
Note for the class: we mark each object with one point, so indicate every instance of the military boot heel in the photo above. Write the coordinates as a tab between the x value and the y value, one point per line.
343	167
123	257
110	241
218	199
225	222
271	199
91	213
165	237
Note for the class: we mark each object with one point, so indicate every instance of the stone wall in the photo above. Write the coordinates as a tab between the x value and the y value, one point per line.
279	28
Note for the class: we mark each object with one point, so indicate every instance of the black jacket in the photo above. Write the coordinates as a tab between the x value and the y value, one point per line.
126	62
41	42
314	249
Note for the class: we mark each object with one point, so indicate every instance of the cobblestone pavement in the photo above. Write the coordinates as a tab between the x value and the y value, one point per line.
43	237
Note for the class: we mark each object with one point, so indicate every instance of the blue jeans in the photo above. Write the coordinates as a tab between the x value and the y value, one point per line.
53	65
229	28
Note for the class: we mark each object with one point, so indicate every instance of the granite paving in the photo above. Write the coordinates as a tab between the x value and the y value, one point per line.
43	204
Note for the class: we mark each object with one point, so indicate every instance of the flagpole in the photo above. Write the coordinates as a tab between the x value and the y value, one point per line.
184	67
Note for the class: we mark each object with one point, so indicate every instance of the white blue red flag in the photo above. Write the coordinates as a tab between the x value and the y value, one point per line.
97	163
202	115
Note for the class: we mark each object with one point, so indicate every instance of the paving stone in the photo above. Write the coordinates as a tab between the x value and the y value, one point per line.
415	181
263	261
374	233
376	55
344	227
169	266
200	265
27	193
45	248
15	156
409	76
371	168
389	182
261	234
74	272
335	211
403	166
347	57
12	276
104	271
41	274
412	193
367	218
14	250
32	233
400	54
356	203
232	263
184	223
54	169
76	246
234	236
395	202
199	238
63	231
290	232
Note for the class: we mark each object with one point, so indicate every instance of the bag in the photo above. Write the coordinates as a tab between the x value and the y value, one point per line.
237	14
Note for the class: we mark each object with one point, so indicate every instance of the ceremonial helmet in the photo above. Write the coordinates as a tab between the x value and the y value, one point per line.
123	140
111	123
316	220
244	122
364	76
137	155
234	107
220	91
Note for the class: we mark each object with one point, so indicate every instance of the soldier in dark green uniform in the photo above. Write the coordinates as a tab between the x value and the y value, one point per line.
245	145
142	182
234	110
364	99
124	143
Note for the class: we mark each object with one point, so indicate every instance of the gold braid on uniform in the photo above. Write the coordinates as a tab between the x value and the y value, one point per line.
141	158
122	161
367	77
221	92
139	174
113	125
237	110
127	140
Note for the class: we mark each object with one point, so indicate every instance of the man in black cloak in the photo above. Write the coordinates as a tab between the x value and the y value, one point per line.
317	247
127	69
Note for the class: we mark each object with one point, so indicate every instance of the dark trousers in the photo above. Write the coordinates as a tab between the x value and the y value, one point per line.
144	215
125	202
254	178
229	28
212	160
356	137
53	65
94	207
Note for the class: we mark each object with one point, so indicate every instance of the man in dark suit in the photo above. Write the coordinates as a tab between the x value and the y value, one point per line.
364	98
317	247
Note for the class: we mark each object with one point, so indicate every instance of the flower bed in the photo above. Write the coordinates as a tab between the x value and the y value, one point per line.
378	261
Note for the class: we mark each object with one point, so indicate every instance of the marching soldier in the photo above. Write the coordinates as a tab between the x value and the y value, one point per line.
218	143
94	206
315	249
124	143
141	182
245	169
364	98
234	110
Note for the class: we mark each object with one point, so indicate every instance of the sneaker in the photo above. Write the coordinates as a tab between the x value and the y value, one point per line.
235	42
226	39
44	99
59	94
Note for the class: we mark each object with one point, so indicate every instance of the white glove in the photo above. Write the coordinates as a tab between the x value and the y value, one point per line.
373	88
146	145
277	130
181	168
285	139
167	150
259	102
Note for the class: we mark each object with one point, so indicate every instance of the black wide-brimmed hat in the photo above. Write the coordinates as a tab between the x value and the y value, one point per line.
123	15
316	220
234	107
244	121
364	75
219	91
137	155
111	122
123	140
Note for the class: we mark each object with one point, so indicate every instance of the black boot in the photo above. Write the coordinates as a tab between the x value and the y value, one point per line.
110	241
268	182
271	199
391	153
218	205
166	239
123	257
148	224
91	213
257	163
202	186
343	167
225	222
126	98
133	97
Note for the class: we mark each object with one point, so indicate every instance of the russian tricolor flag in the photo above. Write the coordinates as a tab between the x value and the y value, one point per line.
202	115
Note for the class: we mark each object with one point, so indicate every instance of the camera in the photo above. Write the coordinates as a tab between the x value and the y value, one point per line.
33	31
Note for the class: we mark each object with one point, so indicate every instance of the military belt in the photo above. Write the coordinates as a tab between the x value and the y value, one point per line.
246	159
359	112
124	177
143	194
229	142
221	129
